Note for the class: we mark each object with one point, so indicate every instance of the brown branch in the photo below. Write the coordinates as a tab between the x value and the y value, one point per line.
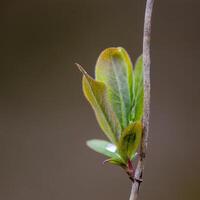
147	86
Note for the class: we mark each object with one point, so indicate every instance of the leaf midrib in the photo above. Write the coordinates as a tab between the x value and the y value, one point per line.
122	103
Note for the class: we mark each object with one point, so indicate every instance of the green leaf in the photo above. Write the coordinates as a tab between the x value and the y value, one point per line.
130	140
96	93
105	148
114	161
138	91
114	68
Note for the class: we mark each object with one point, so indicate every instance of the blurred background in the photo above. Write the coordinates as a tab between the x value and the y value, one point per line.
45	120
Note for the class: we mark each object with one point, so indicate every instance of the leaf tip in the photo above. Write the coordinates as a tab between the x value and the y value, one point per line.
81	69
88	143
111	52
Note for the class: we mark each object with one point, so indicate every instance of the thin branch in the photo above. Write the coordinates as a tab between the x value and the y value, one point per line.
147	86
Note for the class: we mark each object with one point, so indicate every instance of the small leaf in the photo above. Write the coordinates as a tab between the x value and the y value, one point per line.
114	68
138	91
96	93
130	140
116	162
105	148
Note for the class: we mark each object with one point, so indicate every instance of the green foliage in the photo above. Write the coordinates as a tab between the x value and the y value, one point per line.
96	93
138	91
116	96
130	140
114	68
106	148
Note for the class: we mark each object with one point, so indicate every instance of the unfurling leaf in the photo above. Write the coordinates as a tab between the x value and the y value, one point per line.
96	93
107	149
130	140
114	69
138	91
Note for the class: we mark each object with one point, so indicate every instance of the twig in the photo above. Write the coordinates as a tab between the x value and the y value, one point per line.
146	75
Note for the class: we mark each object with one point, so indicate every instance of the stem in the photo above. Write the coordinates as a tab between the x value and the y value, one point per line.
147	86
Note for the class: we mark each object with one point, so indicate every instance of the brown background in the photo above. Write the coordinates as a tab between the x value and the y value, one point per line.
45	120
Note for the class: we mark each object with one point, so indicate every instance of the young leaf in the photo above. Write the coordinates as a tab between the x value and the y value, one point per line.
114	68
96	92
105	148
138	91
114	161
130	140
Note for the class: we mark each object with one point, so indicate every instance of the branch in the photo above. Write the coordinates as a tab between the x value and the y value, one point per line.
147	86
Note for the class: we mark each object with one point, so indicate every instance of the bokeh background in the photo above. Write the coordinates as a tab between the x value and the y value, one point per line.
45	120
